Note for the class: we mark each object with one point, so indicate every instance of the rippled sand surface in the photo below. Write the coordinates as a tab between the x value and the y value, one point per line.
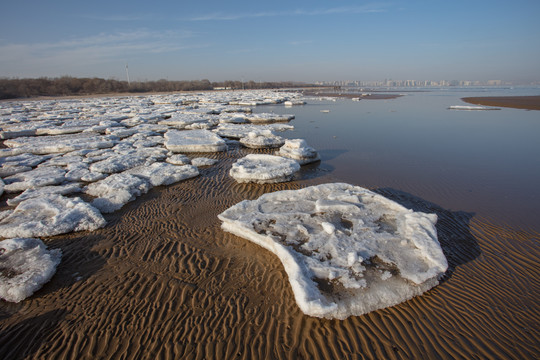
162	281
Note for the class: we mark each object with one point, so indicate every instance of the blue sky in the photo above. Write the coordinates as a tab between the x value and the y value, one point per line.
272	41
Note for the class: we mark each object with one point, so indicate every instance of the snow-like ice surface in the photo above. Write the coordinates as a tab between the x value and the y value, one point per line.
41	176
159	174
178	159
262	139
347	251
49	215
298	150
236	131
60	143
194	141
269	118
25	265
263	169
45	190
116	190
203	161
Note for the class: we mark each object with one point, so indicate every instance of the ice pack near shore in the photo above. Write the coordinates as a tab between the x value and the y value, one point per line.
25	265
347	251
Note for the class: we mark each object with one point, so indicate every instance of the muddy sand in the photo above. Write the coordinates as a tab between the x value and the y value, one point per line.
163	281
516	102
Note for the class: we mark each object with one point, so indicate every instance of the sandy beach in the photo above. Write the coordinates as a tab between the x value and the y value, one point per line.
516	102
162	280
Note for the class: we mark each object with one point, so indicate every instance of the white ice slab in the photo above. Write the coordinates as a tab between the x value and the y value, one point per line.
49	215
159	174
116	190
26	265
59	143
262	139
468	107
298	149
269	117
203	161
236	131
263	169
118	163
194	141
66	189
41	176
1	187
347	251
178	159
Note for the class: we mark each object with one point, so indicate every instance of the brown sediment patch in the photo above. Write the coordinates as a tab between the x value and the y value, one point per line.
366	96
163	281
516	102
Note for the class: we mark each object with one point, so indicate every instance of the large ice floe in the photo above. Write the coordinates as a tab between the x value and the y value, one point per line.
25	265
263	169
347	250
49	215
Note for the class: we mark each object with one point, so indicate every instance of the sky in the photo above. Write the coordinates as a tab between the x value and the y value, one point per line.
274	40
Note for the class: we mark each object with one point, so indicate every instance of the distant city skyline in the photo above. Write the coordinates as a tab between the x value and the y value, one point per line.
306	41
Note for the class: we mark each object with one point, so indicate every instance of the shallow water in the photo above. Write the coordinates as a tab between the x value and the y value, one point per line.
484	162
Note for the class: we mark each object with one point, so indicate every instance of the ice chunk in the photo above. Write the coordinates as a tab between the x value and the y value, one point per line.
468	107
49	215
25	265
260	168
178	159
45	190
8	170
1	187
29	160
262	139
269	118
82	173
347	251
116	190
194	141
159	174
118	163
42	176
60	143
202	161
184	120
236	131
298	150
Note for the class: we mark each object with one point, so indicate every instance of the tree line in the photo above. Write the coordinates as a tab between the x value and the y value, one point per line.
68	86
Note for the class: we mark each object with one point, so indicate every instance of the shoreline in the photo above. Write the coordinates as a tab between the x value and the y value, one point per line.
514	102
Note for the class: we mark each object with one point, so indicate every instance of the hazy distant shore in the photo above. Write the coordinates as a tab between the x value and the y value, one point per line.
516	102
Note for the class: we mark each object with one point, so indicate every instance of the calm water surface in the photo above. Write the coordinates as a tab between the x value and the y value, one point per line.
483	162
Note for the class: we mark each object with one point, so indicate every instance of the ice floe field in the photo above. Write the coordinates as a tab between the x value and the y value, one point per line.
178	225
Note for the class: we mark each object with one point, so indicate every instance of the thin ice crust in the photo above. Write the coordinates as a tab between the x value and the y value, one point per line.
347	251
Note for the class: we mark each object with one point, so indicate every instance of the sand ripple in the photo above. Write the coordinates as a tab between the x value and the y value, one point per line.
163	281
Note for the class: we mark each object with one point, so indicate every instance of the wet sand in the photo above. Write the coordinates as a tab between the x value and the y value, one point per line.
516	102
162	280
